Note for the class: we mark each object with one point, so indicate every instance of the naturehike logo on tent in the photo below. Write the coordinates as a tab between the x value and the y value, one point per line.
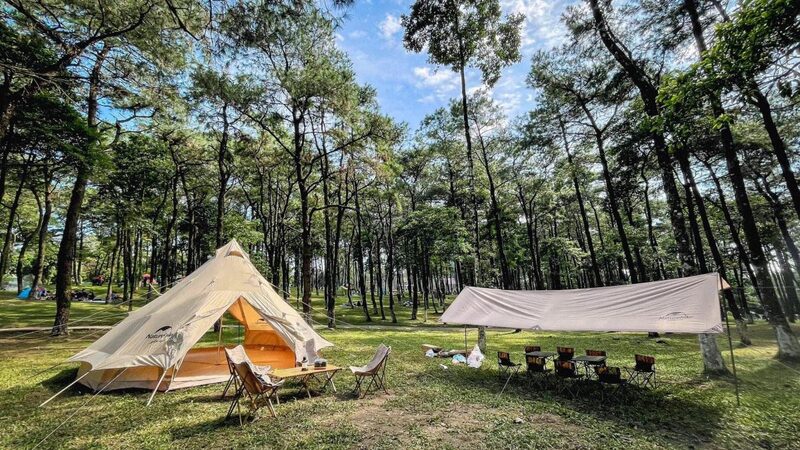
161	333
677	315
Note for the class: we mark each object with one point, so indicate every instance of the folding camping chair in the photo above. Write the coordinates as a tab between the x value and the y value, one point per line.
565	353
536	368
375	371
532	348
597	353
567	374
610	376
258	388
235	356
505	366
643	374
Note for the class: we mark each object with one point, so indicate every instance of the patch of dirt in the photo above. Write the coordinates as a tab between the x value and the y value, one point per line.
391	426
385	424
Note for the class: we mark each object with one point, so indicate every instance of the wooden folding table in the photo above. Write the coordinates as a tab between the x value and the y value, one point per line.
322	375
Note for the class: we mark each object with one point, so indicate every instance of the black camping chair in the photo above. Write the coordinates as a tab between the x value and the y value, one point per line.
565	353
505	366
568	376
532	348
536	368
610	378
643	374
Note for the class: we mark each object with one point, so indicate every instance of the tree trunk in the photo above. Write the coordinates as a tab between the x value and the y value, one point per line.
44	235
66	248
359	254
390	261
788	345
712	358
470	163
596	279
8	239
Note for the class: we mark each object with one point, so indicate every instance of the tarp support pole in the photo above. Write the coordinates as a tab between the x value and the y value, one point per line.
61	391
465	338
730	346
163	374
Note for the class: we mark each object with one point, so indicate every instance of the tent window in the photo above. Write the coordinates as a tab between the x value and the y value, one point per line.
235	253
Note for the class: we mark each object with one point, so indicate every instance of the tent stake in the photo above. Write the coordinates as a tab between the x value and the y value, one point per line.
163	374
59	392
730	346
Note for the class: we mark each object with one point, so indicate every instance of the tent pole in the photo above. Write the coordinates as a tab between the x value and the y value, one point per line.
465	338
175	369
61	391
219	343
730	346
163	374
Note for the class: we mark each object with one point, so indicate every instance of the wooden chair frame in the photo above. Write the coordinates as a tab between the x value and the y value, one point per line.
258	393
234	378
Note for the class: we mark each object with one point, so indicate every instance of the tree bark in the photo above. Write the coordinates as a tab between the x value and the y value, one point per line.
596	279
44	234
712	358
65	259
470	163
788	345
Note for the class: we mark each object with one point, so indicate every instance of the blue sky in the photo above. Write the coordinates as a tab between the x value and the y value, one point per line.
408	87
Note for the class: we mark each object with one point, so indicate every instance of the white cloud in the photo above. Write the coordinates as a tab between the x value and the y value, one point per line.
357	34
439	84
542	20
390	26
436	78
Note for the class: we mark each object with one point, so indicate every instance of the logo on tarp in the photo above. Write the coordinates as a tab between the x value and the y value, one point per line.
676	315
161	334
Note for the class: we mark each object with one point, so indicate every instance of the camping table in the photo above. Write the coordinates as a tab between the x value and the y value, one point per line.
305	377
589	361
545	355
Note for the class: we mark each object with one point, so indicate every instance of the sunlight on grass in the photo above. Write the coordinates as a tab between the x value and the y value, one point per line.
429	407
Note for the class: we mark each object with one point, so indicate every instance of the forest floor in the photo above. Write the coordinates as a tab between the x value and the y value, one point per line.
428	406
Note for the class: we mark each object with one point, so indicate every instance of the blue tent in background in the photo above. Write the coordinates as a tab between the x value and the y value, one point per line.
25	293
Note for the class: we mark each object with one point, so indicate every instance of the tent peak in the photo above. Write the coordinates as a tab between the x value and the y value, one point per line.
232	248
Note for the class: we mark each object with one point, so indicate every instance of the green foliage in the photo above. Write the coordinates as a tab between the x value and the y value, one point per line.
461	33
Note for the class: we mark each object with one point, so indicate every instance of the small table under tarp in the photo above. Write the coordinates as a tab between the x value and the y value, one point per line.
323	375
544	355
588	361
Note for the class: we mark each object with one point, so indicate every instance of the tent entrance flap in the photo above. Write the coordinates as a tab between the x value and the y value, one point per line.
682	305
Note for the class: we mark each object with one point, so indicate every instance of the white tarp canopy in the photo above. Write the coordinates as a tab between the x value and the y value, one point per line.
682	305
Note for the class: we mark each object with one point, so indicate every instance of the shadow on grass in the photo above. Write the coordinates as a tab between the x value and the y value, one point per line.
659	412
62	379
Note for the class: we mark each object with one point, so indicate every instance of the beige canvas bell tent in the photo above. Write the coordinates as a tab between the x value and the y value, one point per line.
154	347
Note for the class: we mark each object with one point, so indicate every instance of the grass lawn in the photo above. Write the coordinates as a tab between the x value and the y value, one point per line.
428	407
